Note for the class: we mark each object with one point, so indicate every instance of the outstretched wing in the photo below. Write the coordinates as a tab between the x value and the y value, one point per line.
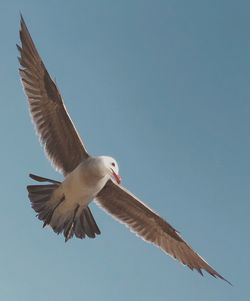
140	219
53	124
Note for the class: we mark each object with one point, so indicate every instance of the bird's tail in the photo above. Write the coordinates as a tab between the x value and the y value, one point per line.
45	200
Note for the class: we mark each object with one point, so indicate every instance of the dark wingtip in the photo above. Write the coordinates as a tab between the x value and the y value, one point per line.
21	17
217	275
23	25
226	281
19	48
199	271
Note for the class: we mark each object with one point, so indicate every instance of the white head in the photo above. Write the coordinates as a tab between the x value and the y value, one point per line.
111	167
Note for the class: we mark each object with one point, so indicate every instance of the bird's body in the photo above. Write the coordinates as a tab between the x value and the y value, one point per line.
64	206
83	184
61	206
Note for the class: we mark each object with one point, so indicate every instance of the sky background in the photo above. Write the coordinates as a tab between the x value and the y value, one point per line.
163	87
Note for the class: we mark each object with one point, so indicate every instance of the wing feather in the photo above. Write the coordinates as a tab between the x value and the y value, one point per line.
52	122
128	209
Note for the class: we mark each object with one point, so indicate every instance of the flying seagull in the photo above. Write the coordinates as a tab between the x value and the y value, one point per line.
64	205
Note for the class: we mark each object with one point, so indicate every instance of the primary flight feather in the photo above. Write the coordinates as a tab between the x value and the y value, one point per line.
64	206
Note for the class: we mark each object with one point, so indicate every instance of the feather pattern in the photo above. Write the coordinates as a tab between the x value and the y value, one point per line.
66	151
52	122
139	218
45	201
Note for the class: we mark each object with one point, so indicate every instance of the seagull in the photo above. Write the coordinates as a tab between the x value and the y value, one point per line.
64	206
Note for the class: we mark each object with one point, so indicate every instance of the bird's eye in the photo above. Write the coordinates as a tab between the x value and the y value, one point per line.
113	164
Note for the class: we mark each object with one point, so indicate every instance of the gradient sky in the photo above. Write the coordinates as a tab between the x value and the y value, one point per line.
162	86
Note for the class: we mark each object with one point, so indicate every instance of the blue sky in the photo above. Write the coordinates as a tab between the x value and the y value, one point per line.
162	86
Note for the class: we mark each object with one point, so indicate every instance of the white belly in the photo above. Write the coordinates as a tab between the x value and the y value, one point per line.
78	188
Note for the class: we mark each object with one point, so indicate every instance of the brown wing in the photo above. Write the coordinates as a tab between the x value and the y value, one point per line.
53	124
129	210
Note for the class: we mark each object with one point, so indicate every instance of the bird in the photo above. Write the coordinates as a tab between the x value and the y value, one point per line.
64	206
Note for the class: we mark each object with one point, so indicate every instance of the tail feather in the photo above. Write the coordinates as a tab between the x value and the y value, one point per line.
38	198
90	224
69	230
92	221
41	179
41	189
48	216
78	221
87	225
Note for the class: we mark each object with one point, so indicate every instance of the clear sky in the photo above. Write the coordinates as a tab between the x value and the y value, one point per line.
163	87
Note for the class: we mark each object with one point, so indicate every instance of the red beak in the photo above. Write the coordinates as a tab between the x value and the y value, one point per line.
117	178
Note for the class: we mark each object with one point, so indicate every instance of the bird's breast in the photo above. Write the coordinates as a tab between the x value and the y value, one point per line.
81	185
